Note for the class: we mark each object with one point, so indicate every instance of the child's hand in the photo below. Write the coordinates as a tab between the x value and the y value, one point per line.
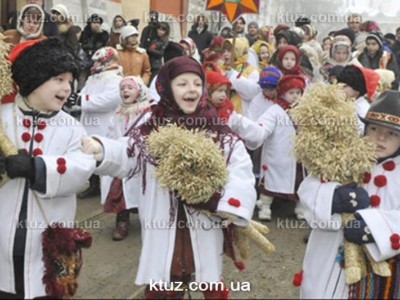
357	231
349	198
92	146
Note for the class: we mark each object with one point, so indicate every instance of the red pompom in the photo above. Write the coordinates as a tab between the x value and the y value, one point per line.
234	202
389	165
367	177
380	180
298	278
38	137
26	137
374	200
41	125
61	169
265	167
37	152
240	265
395	238
27	123
396	246
61	161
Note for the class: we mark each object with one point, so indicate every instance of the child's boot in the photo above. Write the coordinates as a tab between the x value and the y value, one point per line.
264	206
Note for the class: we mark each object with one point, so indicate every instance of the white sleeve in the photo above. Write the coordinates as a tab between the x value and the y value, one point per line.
106	101
382	224
239	195
247	88
251	132
316	198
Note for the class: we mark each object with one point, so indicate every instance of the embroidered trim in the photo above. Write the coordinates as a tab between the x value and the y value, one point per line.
383	117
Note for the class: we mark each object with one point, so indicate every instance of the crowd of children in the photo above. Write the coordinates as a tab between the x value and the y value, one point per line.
241	92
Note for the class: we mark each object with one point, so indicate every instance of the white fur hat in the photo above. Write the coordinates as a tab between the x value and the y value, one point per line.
62	10
128	31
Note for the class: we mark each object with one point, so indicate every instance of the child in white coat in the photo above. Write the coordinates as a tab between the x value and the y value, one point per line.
172	249
45	174
280	173
120	195
98	100
377	216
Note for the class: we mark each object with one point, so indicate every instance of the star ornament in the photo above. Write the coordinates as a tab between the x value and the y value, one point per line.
234	8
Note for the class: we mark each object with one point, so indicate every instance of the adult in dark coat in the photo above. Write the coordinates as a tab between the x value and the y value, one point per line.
200	35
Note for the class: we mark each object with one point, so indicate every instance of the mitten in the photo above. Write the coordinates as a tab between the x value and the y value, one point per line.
20	165
357	231
73	99
349	198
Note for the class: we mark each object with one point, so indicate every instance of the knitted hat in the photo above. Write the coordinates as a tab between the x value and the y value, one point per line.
214	51
38	62
126	31
385	110
347	32
269	77
363	80
173	50
214	79
377	36
289	48
94	18
289	82
62	10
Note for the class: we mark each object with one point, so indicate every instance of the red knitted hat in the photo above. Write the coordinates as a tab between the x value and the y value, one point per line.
289	82
214	79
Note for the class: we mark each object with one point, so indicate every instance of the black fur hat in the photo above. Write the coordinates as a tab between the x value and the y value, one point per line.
353	77
41	61
173	50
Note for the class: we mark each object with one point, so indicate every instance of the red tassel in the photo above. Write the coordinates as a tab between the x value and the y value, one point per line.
380	180
374	200
389	165
240	265
298	278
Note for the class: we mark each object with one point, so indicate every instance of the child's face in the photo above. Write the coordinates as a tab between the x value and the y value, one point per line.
350	92
264	53
387	140
372	46
282	42
52	94
269	93
289	60
292	95
131	42
129	91
341	54
187	90
219	95
186	48
227	56
327	45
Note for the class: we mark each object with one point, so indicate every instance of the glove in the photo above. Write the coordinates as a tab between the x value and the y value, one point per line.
73	99
349	198
357	231
21	165
93	147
